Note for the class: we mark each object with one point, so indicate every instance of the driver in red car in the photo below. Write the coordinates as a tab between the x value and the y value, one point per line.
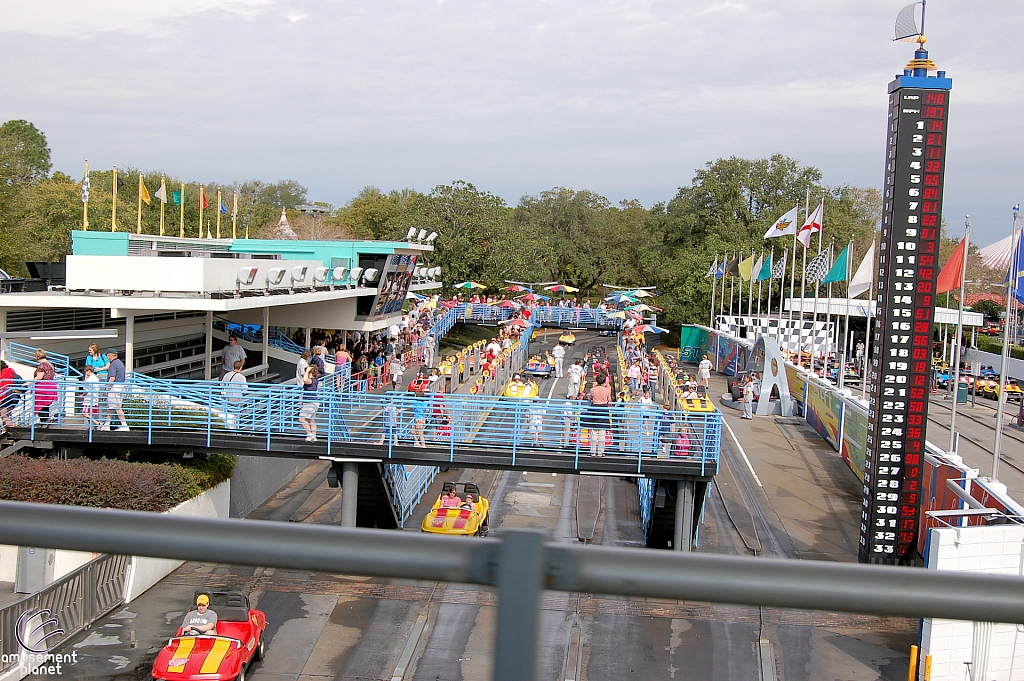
202	620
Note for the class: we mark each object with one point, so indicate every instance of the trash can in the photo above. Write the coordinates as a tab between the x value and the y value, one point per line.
961	392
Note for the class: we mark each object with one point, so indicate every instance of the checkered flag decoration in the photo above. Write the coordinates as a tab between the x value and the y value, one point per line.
779	268
712	270
817	268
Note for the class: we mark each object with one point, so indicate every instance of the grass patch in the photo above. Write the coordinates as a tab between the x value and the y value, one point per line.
462	335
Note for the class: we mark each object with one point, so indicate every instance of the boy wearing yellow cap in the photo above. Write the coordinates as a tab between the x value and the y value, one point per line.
202	620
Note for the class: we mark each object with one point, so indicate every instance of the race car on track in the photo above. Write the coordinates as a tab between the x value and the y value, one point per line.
1013	391
607	332
538	367
224	654
567	338
516	388
697	405
458	514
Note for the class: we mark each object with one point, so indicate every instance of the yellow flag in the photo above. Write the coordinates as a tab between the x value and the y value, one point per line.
143	192
745	268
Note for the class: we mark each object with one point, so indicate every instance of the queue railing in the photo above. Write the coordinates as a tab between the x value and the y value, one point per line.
265	412
26	354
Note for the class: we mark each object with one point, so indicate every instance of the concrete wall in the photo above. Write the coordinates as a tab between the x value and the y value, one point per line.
256	478
145	572
995	651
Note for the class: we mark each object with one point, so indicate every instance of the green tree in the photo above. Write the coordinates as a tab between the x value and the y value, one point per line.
368	214
24	155
989	308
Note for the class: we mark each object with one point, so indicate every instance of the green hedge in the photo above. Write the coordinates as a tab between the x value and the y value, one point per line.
112	483
994	346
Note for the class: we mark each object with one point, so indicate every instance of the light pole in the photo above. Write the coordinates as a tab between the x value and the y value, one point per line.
312	210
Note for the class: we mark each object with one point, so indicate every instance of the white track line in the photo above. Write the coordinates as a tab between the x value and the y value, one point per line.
742	453
552	391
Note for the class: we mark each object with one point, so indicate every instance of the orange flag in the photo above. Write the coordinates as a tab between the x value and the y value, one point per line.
952	273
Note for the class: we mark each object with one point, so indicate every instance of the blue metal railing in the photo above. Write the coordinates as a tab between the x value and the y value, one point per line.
26	354
408	485
265	412
254	334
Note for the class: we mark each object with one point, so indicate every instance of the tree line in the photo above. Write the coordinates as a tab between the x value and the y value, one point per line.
576	237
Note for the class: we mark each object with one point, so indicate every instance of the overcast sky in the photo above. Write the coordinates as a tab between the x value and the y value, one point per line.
623	98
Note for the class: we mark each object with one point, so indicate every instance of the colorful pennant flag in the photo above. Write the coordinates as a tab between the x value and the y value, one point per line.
766	269
784	226
745	267
1017	271
840	268
179	197
85	188
143	191
755	271
712	270
161	194
952	271
861	281
202	203
223	208
732	269
812	225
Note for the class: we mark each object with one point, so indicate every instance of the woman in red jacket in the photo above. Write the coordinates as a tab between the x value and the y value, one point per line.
7	397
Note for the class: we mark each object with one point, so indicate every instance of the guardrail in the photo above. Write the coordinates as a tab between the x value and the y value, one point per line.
26	354
521	565
49	618
447	421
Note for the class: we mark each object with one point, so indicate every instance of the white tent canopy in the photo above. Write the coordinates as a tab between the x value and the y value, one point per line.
997	255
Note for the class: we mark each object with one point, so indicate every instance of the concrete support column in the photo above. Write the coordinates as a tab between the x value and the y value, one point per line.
306	334
266	335
684	515
207	371
349	493
129	343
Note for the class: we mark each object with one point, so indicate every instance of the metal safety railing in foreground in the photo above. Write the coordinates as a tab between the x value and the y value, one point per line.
26	354
521	565
445	421
75	601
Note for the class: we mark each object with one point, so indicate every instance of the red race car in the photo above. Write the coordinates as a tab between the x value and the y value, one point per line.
223	654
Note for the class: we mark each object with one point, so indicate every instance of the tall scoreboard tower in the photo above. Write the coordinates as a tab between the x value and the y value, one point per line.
901	337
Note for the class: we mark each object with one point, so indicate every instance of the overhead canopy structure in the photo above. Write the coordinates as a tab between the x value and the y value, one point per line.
859	308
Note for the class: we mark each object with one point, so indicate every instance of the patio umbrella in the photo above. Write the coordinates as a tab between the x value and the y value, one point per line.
522	323
516	288
561	288
469	284
620	298
643	307
507	303
532	298
618	314
414	296
640	293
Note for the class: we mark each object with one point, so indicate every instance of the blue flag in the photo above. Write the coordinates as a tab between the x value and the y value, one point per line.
1016	274
223	208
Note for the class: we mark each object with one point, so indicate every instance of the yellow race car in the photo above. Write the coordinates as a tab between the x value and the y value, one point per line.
567	338
459	514
699	405
1013	391
527	390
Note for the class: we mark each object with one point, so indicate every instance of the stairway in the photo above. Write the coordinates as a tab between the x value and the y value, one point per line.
663	518
374	508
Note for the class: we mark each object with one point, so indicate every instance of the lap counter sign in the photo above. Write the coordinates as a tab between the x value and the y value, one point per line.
901	337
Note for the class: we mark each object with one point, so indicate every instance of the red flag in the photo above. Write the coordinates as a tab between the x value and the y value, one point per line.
203	203
952	274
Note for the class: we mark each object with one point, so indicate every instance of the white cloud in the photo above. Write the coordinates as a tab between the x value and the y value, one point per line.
622	97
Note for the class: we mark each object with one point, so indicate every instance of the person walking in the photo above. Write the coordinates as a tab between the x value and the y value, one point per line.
576	372
115	383
748	398
704	372
397	370
7	396
300	366
100	364
559	354
45	388
91	397
429	350
235	390
230	354
310	402
600	397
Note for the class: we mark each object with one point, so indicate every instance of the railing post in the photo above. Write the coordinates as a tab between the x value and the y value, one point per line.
520	581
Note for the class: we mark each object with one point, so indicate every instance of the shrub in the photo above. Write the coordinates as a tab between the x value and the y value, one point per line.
994	346
107	483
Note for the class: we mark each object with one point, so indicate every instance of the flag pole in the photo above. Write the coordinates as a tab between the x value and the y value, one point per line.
163	201
750	287
234	215
959	335
867	331
725	275
202	195
113	205
218	212
714	287
1011	282
759	285
732	288
138	224
846	324
85	198
181	212
792	285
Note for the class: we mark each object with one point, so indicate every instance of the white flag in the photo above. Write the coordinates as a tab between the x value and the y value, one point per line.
861	281
784	226
812	225
161	194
